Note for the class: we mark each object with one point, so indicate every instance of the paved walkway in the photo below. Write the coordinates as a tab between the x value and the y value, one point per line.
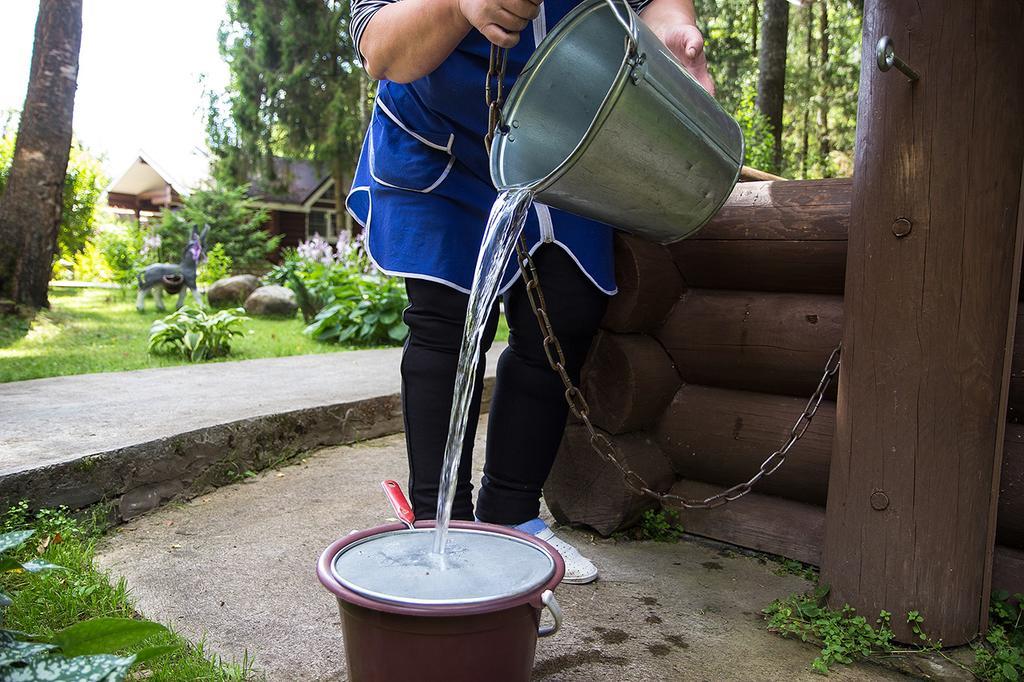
76	440
237	567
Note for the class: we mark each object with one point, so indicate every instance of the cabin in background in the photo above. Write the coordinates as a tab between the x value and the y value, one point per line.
299	204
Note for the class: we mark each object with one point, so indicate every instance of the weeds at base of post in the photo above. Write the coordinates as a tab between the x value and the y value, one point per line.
845	636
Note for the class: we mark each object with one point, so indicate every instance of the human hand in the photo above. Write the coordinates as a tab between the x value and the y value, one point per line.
500	21
687	44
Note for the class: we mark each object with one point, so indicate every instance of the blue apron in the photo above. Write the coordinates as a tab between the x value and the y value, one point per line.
422	189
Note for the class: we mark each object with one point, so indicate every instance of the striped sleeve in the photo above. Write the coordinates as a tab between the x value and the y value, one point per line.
363	11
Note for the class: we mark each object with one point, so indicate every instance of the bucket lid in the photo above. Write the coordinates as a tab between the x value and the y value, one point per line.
399	567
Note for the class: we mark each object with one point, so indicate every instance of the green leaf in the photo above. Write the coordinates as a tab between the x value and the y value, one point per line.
13	652
14	539
398	332
40	566
1009	672
151	652
104	635
101	668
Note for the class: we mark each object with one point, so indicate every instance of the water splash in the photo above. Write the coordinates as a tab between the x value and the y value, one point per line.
508	214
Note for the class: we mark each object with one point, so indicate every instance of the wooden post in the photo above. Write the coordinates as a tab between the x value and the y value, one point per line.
931	294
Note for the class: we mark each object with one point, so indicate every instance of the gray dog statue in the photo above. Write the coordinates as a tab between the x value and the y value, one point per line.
171	278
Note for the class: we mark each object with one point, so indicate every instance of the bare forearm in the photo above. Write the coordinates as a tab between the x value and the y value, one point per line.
407	40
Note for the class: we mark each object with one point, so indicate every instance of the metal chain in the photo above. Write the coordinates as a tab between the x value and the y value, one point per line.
604	447
599	442
494	92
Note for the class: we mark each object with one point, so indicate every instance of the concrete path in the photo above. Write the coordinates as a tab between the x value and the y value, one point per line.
144	436
237	567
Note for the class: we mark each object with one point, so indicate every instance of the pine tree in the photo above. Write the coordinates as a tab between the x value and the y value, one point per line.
297	90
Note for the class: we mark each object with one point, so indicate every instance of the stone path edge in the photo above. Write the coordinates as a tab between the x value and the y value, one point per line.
138	478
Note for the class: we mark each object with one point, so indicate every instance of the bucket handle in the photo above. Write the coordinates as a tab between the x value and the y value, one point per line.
630	25
551	604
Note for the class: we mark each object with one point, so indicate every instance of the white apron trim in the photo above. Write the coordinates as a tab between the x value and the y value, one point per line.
547	228
433	185
446	148
439	280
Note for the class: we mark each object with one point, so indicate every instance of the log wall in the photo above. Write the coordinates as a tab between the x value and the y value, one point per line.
708	358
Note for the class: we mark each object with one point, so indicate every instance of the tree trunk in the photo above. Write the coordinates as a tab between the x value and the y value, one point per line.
754	19
341	215
824	141
771	83
809	81
30	209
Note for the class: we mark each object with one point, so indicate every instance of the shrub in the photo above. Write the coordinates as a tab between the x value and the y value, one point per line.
341	297
113	254
217	266
89	265
195	334
234	223
358	308
281	273
121	246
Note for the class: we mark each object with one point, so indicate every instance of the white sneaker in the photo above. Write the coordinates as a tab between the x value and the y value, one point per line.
579	570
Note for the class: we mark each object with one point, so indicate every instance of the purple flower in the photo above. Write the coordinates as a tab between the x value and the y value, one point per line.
150	244
316	249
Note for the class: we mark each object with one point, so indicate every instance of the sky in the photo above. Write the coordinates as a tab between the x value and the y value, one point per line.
139	81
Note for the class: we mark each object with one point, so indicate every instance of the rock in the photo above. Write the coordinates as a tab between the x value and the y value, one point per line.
273	301
231	291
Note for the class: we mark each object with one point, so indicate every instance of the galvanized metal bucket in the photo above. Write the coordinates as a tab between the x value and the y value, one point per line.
604	122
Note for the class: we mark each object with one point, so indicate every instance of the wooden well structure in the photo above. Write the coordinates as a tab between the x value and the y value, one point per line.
908	488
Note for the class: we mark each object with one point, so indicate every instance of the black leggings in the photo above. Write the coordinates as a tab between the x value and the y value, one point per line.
528	409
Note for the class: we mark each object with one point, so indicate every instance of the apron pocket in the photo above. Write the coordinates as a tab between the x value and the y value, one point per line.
407	159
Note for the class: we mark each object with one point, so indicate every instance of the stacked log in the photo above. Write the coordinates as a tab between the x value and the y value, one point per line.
773	236
583	488
707	358
648	284
722	436
641	375
771	342
748	307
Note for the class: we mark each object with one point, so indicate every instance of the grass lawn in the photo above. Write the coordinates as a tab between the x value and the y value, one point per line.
96	330
43	604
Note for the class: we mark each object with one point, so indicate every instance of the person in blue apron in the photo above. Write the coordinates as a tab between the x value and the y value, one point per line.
422	192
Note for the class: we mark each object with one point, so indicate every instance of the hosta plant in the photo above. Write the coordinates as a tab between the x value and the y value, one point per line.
361	309
196	334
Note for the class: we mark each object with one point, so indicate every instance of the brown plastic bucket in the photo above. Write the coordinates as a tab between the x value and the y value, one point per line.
491	640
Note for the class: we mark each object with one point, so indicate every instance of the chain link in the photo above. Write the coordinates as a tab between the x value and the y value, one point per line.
599	442
494	92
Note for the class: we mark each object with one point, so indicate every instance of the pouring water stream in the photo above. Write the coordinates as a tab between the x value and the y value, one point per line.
508	215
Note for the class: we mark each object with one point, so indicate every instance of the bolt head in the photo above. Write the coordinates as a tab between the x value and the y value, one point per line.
879	500
901	227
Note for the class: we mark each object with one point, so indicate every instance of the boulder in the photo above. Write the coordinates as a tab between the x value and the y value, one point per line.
273	300
231	291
